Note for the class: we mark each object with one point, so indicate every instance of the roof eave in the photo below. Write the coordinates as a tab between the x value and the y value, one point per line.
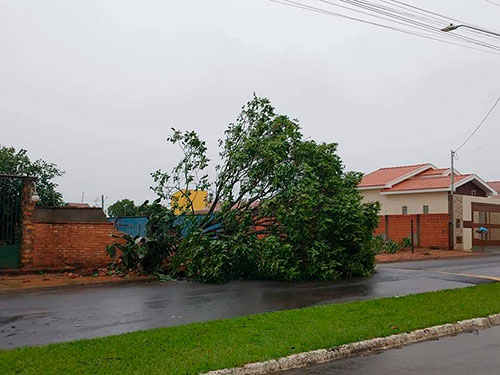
415	191
372	187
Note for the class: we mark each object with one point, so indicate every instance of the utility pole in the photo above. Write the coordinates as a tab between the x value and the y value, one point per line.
452	206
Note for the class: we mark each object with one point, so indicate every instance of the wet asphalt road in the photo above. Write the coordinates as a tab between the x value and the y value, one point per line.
35	318
464	354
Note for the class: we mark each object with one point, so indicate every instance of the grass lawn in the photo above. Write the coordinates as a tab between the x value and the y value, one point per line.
201	347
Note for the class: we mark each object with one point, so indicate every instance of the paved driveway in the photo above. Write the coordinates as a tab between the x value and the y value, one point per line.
34	318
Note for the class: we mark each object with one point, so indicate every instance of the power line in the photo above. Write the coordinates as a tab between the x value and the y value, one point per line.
425	11
492	2
437	16
307	7
401	21
480	124
409	22
480	147
418	14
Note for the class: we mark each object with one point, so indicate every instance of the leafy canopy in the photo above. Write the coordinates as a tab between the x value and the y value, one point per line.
125	207
282	207
18	163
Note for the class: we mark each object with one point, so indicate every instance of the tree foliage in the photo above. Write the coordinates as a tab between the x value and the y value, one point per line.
18	163
283	207
125	207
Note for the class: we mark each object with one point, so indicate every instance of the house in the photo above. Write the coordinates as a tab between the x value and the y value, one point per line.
187	200
420	195
495	185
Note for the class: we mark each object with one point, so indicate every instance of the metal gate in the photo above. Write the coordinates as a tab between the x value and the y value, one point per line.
10	221
486	216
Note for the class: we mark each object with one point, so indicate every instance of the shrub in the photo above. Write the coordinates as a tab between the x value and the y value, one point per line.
405	244
391	247
150	254
378	244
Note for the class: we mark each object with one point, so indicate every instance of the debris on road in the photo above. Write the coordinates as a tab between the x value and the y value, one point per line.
421	254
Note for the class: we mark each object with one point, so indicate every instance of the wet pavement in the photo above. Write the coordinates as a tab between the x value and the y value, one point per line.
465	354
48	316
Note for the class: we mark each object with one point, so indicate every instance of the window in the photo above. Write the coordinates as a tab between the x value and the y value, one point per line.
457	224
426	209
479	217
473	192
405	210
459	240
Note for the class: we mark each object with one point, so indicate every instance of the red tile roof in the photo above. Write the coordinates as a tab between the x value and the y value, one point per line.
383	176
77	205
495	185
428	183
433	172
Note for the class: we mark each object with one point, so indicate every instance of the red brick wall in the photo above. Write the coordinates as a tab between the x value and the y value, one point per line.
72	245
380	230
400	226
433	229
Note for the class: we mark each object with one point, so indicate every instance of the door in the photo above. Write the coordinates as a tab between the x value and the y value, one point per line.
10	221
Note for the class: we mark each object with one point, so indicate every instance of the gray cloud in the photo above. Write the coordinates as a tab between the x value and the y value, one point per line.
96	86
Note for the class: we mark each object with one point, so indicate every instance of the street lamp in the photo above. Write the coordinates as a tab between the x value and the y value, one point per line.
452	27
34	194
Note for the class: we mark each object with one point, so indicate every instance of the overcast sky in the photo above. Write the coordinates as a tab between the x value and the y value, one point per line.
95	86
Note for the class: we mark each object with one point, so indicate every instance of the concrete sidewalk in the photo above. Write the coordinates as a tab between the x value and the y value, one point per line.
32	282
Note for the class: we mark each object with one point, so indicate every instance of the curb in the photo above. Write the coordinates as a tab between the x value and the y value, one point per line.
295	361
472	255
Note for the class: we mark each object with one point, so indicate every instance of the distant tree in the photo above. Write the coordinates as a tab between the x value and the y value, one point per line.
124	207
18	163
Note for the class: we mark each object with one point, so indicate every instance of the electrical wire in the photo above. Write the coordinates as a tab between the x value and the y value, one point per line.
480	147
492	2
375	8
438	16
427	35
480	124
400	21
425	11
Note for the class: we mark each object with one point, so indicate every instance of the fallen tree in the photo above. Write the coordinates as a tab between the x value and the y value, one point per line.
282	208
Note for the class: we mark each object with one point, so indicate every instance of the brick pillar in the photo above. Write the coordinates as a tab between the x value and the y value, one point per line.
417	241
387	227
28	223
458	224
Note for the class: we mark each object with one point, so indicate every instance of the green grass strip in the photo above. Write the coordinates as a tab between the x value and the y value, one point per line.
200	347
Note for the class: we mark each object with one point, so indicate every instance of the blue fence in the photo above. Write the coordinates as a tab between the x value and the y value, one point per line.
194	223
133	226
136	226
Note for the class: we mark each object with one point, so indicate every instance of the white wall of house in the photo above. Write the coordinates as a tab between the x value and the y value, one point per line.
392	204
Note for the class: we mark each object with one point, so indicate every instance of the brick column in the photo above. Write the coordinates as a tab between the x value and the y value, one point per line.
28	223
458	217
